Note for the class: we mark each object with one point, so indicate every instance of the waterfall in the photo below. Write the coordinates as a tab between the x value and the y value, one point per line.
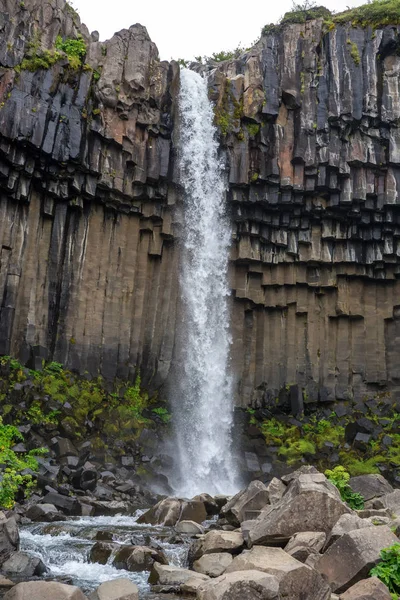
203	395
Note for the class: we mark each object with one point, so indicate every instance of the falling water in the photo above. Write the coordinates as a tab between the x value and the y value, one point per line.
204	407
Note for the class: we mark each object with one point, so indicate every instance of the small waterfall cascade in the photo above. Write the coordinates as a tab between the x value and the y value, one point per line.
203	394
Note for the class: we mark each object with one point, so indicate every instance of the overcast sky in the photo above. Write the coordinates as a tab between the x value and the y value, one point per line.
184	29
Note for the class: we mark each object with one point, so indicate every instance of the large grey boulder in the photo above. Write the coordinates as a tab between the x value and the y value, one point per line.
44	590
389	501
370	486
302	544
213	565
216	541
243	585
367	589
296	580
175	577
22	564
353	555
9	537
345	524
311	503
172	510
117	589
189	528
45	513
138	558
246	503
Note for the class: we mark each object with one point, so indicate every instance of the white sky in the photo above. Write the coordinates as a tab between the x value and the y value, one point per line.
183	29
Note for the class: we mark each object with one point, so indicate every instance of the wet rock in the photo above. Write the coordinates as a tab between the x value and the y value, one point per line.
249	585
66	504
22	564
138	558
172	510
295	579
311	503
353	555
117	589
246	504
42	590
367	589
370	486
9	537
213	565
210	504
44	513
101	552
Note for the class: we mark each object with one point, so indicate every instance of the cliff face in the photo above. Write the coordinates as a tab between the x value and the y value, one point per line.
90	203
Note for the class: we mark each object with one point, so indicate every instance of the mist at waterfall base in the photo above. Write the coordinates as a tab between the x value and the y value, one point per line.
203	398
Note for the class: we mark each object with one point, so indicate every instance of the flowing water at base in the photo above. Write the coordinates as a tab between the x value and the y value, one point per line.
64	548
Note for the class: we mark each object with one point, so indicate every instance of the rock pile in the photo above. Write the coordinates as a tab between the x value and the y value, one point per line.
294	539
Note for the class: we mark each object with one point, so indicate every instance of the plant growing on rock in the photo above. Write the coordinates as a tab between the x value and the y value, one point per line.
388	570
75	49
14	467
340	478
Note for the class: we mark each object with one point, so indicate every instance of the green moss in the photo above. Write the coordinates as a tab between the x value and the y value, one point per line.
44	60
355	55
253	129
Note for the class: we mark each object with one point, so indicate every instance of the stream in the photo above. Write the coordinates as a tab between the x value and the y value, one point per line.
64	548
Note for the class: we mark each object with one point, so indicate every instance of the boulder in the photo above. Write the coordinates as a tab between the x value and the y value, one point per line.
353	555
23	564
276	488
172	510
44	590
138	558
167	575
302	544
100	552
311	503
389	501
9	537
210	504
216	541
345	524
189	527
367	589
213	565
117	589
44	513
304	470
66	504
5	584
243	585
246	504
370	486
296	580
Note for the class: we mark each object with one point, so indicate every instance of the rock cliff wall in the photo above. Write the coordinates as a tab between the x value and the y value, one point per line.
90	204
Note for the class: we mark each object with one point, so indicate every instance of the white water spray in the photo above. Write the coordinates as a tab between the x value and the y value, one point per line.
204	404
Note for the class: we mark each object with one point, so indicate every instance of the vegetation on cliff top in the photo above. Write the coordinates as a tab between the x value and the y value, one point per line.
375	14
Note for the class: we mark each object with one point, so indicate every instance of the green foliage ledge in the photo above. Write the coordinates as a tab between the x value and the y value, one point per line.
109	415
388	570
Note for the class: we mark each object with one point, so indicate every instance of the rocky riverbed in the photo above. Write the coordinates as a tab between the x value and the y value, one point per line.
292	538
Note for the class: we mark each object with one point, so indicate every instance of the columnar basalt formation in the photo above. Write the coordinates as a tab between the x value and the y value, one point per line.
88	265
90	204
311	119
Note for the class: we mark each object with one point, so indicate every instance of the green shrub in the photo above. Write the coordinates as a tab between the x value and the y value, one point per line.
340	478
388	570
163	414
75	49
13	477
376	13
